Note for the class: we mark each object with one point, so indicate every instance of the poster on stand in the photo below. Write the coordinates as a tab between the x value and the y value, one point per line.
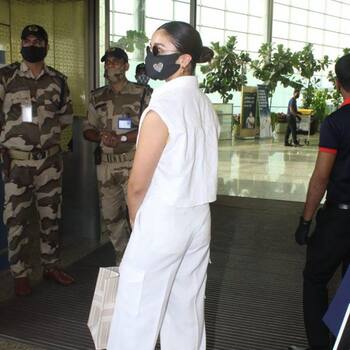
248	121
264	112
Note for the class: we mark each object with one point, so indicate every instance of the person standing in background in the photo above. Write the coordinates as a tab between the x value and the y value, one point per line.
34	108
112	122
329	245
292	116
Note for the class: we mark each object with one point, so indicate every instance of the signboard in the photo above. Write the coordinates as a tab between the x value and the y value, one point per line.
248	121
264	112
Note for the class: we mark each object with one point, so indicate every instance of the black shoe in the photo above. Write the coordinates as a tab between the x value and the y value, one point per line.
288	144
298	145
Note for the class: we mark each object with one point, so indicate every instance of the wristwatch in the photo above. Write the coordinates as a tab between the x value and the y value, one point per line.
123	138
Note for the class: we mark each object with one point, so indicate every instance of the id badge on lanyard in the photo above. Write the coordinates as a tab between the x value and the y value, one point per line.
27	112
124	122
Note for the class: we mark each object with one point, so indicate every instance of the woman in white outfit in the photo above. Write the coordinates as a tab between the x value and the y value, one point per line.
173	180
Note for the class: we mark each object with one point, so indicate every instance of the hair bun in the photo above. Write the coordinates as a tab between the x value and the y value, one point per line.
206	55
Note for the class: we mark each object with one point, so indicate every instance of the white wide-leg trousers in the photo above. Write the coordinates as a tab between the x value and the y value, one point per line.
162	280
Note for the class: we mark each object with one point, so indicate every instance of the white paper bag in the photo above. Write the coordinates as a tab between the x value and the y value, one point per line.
102	306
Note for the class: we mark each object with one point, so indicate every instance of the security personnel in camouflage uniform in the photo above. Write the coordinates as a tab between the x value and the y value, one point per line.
34	107
113	119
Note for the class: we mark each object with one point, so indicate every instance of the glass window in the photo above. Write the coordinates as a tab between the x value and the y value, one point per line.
122	6
345	26
277	41
333	8
298	16
241	41
254	42
281	12
256	7
331	38
299	3
181	12
255	25
317	5
316	20
318	51
211	35
236	21
297	32
219	4
344	41
345	10
120	23
219	19
332	23
296	45
151	26
315	36
159	9
158	12
212	18
323	23
331	52
286	2
237	6
281	29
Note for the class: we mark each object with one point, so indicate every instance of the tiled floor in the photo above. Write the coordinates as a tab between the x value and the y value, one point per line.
266	168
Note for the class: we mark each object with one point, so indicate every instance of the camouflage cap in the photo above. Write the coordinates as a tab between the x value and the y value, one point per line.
116	52
37	31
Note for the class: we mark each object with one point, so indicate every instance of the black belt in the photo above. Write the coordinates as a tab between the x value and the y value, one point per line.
342	206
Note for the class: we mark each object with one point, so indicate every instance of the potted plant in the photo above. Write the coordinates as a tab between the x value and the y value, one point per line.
133	41
225	74
307	67
319	106
275	65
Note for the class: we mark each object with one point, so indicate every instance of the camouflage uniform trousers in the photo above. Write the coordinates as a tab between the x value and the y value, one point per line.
29	181
112	184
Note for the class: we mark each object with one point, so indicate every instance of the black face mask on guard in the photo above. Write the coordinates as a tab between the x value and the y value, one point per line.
161	66
33	54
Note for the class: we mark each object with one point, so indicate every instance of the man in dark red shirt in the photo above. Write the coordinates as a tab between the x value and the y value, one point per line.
329	246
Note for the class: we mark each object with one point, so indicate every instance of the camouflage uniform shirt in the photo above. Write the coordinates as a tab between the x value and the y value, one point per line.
45	98
107	107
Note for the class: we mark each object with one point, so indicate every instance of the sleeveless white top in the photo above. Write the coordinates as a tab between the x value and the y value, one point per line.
186	174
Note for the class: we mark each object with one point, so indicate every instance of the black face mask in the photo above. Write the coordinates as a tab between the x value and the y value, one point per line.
33	54
161	66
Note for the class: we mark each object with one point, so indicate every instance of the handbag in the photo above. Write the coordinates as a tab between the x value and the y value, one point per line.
102	307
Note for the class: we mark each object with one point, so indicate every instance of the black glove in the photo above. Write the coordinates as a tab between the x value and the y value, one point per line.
302	232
